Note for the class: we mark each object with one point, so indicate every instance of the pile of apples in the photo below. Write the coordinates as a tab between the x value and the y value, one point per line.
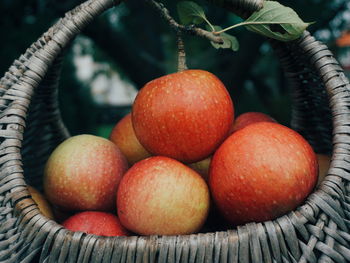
179	155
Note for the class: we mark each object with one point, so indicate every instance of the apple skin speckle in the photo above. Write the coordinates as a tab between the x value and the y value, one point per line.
188	116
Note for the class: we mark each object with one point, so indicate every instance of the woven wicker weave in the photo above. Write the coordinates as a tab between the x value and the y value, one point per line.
30	128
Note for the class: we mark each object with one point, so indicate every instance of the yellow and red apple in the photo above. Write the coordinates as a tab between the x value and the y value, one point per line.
40	200
83	173
124	137
202	167
324	162
161	196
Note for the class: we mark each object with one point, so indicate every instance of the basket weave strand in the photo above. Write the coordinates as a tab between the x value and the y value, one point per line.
31	127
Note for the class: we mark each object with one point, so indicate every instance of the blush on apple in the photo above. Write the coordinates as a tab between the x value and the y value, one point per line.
40	200
161	196
96	223
185	115
248	118
124	137
83	173
262	172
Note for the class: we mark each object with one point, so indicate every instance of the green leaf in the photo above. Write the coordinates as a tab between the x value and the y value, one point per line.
230	41
190	13
277	21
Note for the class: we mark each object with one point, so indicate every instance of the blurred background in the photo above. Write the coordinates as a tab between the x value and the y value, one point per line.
130	45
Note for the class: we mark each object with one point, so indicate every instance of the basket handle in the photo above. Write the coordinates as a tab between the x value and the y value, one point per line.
23	79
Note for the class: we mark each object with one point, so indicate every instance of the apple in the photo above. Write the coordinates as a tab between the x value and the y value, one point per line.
262	172
248	118
324	162
97	223
161	196
184	115
124	137
202	167
40	200
83	173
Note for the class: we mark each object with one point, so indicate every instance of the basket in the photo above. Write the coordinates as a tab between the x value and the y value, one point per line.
31	127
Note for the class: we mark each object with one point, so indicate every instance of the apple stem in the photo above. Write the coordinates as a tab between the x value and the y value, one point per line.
181	66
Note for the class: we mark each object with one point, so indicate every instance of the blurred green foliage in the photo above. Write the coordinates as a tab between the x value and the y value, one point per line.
138	44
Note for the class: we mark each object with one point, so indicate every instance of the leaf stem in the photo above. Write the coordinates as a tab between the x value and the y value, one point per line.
250	23
209	24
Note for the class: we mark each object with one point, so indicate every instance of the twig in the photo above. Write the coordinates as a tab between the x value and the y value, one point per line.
192	30
181	66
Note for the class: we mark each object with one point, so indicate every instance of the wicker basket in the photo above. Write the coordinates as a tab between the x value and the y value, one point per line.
31	127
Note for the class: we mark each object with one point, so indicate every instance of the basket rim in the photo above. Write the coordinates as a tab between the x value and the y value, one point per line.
28	63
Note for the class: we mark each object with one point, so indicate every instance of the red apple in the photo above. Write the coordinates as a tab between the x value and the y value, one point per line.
124	137
248	118
262	172
83	173
202	167
185	115
161	196
324	162
40	200
97	223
